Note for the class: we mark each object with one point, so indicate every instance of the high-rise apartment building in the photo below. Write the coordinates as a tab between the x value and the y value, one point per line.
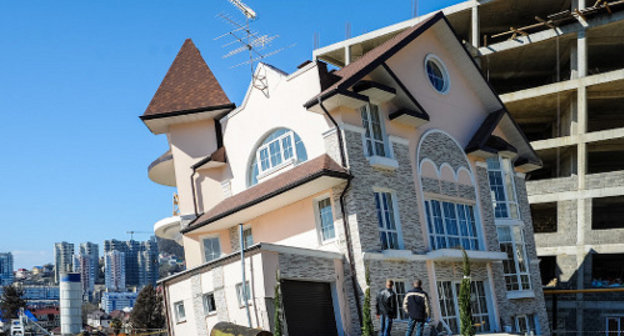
84	267
63	256
6	269
148	263
92	251
115	271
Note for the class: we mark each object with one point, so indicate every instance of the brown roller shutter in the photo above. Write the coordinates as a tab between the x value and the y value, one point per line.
308	308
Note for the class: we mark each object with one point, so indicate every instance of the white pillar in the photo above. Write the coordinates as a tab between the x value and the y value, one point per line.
347	55
474	31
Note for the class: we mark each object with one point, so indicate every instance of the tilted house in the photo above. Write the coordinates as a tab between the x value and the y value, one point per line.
391	163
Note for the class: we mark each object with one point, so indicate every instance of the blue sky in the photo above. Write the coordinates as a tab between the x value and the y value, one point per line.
75	76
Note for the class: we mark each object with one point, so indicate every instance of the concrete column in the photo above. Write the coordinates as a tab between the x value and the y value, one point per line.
347	55
581	51
581	155
474	28
574	61
580	4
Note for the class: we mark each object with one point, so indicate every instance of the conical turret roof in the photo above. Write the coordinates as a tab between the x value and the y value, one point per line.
188	87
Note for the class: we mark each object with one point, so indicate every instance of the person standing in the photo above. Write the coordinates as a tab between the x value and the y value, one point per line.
386	308
416	305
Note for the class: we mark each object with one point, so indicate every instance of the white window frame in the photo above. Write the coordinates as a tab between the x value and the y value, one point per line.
619	319
319	219
401	314
433	235
368	127
176	305
514	244
203	247
397	220
507	203
207	310
455	300
527	324
445	74
239	293
284	162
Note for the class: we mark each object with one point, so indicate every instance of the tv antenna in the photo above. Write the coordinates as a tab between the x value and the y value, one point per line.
246	39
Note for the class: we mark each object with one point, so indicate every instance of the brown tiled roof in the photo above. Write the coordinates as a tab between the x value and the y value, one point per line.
303	173
351	73
189	85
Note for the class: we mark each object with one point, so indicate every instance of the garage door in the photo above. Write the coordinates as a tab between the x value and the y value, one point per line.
308	308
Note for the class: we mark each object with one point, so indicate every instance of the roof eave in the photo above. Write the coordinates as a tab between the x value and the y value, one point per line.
158	123
196	224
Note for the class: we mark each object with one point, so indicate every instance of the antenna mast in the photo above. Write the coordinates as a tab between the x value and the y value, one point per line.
248	40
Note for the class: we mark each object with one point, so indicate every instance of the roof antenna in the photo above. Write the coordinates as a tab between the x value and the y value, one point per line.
414	8
248	40
317	39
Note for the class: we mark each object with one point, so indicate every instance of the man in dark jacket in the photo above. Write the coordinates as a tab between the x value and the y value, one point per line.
387	308
416	305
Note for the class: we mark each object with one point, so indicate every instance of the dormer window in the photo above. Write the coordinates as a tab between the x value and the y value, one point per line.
374	135
278	150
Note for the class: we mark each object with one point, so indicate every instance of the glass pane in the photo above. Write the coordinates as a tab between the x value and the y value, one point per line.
327	219
463	224
384	240
493	163
389	209
380	148
287	147
437	217
428	215
504	234
302	155
379	210
264	159
212	248
276	156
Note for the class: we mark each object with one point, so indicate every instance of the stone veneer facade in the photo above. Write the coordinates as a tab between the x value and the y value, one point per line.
363	225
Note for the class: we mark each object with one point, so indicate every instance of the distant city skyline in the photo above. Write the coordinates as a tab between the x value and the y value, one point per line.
76	76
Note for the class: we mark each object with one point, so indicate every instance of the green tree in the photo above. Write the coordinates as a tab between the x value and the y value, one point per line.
11	301
465	313
368	329
148	310
277	301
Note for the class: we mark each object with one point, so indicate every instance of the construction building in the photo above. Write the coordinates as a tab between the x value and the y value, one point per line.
558	68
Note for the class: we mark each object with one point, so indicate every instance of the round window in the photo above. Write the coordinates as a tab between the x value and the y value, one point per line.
437	74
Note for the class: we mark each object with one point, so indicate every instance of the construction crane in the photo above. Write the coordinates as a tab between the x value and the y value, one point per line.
131	233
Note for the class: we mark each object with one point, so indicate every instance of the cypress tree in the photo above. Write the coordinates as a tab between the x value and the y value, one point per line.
277	301
367	322
465	313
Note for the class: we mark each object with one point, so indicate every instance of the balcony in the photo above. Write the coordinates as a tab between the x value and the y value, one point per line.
169	228
161	170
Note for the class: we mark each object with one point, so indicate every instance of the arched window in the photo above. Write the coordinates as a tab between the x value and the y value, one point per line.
280	148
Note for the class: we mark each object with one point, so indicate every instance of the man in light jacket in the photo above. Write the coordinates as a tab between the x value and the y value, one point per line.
416	305
386	308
